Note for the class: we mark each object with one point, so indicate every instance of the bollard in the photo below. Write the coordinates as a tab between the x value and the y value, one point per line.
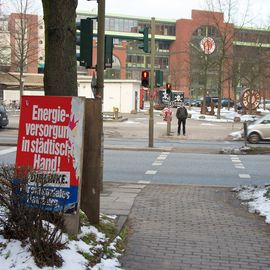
245	132
115	112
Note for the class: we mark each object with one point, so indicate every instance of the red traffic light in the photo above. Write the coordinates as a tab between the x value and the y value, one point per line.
145	78
168	86
145	74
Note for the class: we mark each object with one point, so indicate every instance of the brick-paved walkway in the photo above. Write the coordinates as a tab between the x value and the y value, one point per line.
191	228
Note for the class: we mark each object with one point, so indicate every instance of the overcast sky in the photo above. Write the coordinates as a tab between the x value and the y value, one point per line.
259	10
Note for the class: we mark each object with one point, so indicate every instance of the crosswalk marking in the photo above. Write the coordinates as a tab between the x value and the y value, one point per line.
150	172
156	163
143	182
244	175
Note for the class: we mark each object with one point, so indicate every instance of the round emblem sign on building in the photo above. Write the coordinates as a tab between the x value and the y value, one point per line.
208	45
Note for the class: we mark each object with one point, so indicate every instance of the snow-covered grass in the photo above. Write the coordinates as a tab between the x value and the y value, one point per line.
257	198
225	115
92	249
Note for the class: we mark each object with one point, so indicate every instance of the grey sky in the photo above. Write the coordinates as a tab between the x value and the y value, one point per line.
259	10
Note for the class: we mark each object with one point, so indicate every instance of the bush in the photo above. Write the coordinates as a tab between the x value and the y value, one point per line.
24	216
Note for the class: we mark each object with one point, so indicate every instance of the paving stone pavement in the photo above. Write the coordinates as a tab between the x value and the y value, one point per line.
192	228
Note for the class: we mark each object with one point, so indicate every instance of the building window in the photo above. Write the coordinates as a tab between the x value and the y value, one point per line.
206	31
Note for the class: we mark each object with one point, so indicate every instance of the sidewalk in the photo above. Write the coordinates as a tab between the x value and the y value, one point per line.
194	228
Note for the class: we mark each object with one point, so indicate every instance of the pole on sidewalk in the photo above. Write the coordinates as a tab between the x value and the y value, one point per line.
245	132
100	74
152	79
169	117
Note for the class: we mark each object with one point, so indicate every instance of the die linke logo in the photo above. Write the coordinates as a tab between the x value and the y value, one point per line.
208	45
50	142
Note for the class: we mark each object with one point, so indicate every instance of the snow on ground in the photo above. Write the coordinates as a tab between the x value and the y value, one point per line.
225	115
257	199
14	255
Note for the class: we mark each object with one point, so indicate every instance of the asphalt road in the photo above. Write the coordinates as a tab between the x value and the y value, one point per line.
186	168
177	168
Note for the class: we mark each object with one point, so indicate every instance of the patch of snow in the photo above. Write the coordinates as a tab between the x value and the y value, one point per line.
254	197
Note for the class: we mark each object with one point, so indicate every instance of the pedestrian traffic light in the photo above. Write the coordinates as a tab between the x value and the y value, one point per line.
108	52
145	78
85	41
144	39
168	88
159	78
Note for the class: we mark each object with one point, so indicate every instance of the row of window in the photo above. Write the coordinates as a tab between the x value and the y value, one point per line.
132	25
140	61
252	36
206	31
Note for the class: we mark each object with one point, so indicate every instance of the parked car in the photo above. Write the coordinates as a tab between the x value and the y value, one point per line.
192	102
267	104
238	106
3	116
196	103
259	130
226	101
209	100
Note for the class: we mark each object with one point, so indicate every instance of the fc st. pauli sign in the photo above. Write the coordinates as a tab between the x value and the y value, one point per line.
208	45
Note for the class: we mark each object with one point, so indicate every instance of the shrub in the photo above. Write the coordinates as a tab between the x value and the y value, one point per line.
24	215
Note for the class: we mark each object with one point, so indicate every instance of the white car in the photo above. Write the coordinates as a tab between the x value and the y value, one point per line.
267	104
259	130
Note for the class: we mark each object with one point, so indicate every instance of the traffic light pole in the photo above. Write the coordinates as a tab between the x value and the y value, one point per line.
100	73
152	79
169	117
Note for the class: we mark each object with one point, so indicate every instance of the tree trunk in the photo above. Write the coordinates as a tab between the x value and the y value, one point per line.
60	74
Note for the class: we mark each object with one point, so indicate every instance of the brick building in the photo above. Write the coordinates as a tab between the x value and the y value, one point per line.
181	55
197	55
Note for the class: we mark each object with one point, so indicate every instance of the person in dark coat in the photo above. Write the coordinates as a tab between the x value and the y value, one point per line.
181	115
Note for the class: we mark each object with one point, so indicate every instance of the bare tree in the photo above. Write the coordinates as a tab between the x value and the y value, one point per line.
202	67
175	70
5	49
253	71
23	27
227	32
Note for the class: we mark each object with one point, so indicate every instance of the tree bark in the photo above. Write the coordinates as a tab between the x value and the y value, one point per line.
60	74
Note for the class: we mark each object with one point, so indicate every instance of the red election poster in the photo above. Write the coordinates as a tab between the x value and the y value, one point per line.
50	140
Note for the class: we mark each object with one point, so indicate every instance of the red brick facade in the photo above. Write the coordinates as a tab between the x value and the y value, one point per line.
31	41
179	50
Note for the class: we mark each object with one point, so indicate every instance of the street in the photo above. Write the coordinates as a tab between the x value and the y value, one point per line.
174	167
194	159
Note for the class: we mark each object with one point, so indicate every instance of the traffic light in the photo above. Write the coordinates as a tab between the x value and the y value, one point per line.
168	88
144	39
145	78
159	78
85	41
108	52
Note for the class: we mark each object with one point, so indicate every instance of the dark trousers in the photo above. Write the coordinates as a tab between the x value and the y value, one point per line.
183	122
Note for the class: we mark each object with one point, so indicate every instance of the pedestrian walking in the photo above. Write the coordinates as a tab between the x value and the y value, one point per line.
181	115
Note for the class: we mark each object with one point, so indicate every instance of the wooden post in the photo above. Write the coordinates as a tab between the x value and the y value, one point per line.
90	194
